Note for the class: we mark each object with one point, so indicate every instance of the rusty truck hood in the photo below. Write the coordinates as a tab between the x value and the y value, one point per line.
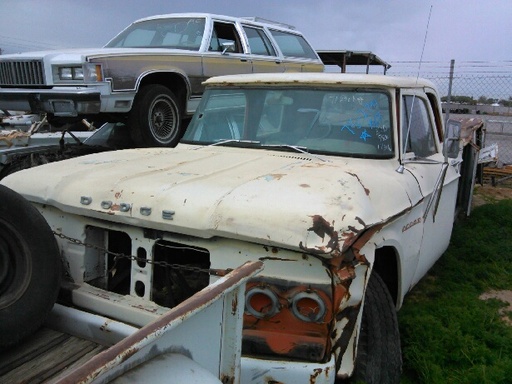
262	196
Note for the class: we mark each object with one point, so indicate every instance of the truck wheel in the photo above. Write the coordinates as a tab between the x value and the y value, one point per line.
379	357
30	268
155	119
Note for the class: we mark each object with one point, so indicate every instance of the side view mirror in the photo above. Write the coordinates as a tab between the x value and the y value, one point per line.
452	139
228	46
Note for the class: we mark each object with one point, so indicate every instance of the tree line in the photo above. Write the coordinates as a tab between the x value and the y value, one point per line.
470	100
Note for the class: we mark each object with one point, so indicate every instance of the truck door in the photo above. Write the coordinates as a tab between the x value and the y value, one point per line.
423	158
219	61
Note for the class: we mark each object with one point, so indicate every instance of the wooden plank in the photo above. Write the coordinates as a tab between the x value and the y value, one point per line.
497	172
506	170
38	343
44	356
498	175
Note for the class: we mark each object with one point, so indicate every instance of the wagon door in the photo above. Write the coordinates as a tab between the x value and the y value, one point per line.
263	54
226	53
423	159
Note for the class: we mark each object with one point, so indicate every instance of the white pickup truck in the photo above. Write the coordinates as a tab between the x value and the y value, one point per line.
338	183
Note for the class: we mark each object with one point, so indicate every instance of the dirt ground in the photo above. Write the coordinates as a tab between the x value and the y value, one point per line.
486	193
506	297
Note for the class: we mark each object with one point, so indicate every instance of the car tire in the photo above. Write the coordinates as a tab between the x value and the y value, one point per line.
30	268
155	118
379	357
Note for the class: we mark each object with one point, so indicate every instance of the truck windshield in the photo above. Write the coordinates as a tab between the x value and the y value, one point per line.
177	33
347	122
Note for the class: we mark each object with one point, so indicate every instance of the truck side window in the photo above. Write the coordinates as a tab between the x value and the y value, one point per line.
223	33
259	43
417	127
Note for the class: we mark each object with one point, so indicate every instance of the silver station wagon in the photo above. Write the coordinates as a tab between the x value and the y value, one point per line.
149	75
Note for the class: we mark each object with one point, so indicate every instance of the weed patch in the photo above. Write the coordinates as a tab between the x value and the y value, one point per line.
450	335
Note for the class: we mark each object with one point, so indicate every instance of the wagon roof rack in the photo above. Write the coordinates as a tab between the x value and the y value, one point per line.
267	21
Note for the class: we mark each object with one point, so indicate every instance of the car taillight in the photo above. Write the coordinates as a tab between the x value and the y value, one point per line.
285	321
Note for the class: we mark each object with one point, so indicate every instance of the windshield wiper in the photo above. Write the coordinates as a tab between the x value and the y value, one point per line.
227	141
296	148
234	141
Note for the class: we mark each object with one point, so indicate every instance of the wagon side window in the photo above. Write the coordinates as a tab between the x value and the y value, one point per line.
225	33
259	43
417	127
293	45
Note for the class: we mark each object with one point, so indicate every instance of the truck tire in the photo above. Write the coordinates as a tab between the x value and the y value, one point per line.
379	357
155	118
30	268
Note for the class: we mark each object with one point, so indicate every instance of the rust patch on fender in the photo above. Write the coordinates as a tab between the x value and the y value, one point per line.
350	313
314	376
344	256
366	190
226	379
322	228
234	305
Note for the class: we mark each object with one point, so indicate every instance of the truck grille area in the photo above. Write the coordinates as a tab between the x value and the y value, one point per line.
21	73
179	272
161	271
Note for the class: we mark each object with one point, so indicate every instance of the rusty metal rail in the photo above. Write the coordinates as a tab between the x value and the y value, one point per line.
212	317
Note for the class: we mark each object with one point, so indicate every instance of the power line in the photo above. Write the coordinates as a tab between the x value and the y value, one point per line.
25	41
18	44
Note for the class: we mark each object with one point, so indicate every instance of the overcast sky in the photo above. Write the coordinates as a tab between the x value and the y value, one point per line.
464	30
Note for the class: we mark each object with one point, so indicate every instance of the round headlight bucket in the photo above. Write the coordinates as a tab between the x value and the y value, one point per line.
261	302
308	306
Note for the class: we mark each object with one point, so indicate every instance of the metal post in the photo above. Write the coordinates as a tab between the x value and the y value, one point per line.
449	97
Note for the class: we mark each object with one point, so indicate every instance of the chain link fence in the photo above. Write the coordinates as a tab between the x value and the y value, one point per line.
479	89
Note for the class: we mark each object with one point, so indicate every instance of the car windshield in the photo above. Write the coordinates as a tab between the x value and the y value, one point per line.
344	122
178	33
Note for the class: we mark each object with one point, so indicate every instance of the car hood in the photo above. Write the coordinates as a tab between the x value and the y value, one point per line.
80	55
277	198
